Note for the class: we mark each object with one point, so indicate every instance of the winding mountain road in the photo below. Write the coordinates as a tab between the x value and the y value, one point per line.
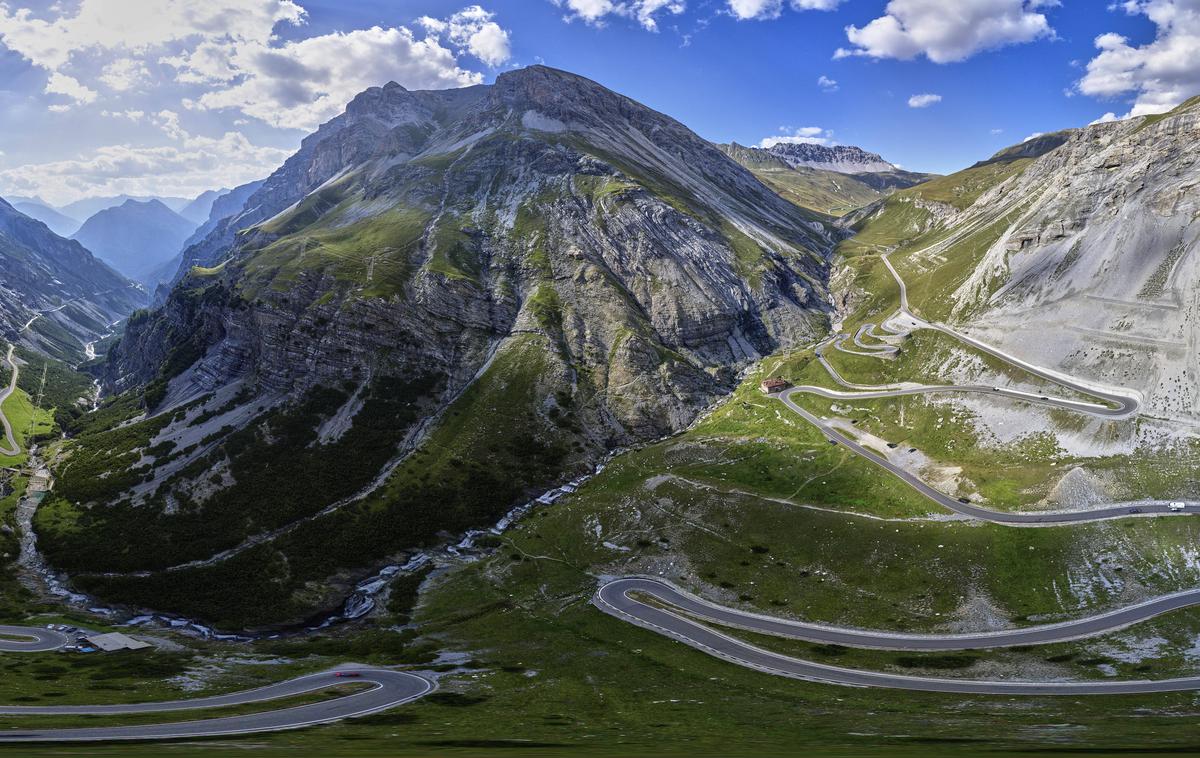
10	446
614	598
389	689
679	620
32	639
1115	404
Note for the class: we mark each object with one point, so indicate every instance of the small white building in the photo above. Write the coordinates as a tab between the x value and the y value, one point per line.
111	641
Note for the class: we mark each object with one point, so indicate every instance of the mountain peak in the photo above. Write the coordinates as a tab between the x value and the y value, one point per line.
844	159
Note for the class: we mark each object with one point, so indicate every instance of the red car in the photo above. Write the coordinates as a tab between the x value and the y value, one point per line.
347	673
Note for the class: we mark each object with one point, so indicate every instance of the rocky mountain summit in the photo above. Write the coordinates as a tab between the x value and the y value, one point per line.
844	159
549	269
831	181
479	208
136	237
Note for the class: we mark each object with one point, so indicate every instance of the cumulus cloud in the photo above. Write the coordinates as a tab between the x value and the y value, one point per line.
1158	75
61	84
138	26
302	83
124	74
826	84
475	30
645	12
231	58
1033	136
187	166
924	101
947	32
761	10
129	114
1105	119
804	135
230	47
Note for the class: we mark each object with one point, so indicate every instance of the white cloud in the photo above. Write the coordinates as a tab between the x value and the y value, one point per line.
1035	135
996	131
230	48
761	10
804	135
125	74
645	12
1105	119
826	84
138	26
61	84
129	114
947	32
300	84
473	29
187	166
1160	74
755	9
924	100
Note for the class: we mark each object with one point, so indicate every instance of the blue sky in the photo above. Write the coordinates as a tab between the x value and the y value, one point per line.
172	97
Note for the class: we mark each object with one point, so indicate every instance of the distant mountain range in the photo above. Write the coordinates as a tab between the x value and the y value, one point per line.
90	206
830	180
197	210
844	159
59	223
53	290
136	237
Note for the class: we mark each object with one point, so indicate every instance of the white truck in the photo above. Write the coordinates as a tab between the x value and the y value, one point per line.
1176	506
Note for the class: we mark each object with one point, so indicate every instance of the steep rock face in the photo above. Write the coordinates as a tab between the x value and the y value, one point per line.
1100	239
379	121
545	203
845	159
225	208
45	276
525	275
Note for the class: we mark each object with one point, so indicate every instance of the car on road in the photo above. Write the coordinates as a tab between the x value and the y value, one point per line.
1176	506
964	500
1135	510
347	673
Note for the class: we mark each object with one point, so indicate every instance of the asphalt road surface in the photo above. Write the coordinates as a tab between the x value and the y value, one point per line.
391	688
1040	518
10	446
614	592
613	598
33	639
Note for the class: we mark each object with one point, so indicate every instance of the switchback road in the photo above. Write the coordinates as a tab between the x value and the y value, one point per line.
388	689
614	598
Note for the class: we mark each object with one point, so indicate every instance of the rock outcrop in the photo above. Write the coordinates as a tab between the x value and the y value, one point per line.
419	229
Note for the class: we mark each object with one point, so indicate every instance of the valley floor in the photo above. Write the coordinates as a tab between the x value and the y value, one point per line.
754	509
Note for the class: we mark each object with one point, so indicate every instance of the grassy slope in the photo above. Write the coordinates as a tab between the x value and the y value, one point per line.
496	443
27	421
822	191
